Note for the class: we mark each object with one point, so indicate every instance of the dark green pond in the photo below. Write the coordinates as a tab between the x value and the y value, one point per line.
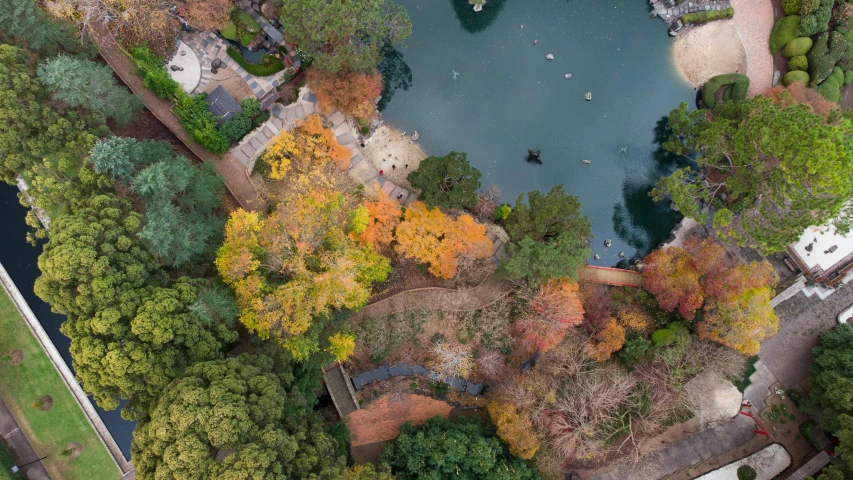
508	97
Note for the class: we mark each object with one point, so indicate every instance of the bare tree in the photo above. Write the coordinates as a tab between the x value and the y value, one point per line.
490	364
487	202
452	361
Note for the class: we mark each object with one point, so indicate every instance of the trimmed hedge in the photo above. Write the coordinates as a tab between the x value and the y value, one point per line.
816	22
271	64
797	46
739	85
784	30
795	76
848	77
800	62
791	7
707	16
826	52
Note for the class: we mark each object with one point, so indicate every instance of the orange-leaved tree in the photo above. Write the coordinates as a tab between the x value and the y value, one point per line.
346	91
605	342
734	297
672	274
514	428
555	308
383	217
430	236
295	266
309	143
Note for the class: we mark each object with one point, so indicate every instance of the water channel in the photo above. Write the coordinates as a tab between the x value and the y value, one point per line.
507	98
21	261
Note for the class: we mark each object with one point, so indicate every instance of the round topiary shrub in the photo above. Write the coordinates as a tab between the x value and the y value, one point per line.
791	7
784	30
848	77
745	472
800	62
795	76
797	46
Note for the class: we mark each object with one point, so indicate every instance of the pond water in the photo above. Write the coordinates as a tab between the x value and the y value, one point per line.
255	56
21	261
507	98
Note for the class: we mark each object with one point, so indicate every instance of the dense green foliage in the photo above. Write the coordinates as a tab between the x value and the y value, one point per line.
80	82
707	16
270	64
23	24
745	472
784	167
791	7
236	127
816	21
199	123
240	417
179	199
634	349
549	236
153	72
448	181
831	87
797	46
129	338
795	76
798	62
827	50
784	30
442	449
831	377
737	83
842	468
344	35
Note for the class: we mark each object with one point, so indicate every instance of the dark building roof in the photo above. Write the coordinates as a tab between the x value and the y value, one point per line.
222	105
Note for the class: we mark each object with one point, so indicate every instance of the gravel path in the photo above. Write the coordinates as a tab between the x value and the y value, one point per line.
801	321
754	20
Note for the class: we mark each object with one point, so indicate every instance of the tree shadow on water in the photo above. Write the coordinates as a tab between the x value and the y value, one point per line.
395	73
473	22
638	220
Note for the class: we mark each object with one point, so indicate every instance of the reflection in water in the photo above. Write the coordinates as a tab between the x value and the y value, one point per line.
639	221
473	22
395	73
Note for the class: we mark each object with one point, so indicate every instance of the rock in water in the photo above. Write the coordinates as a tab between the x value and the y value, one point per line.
621	254
568	75
596	256
585	162
549	56
416	136
535	42
607	243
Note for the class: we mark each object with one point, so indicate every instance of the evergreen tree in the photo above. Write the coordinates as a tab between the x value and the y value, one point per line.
240	417
24	24
345	35
79	82
545	217
448	181
783	166
831	377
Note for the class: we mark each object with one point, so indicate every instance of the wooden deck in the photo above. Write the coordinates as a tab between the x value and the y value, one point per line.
611	276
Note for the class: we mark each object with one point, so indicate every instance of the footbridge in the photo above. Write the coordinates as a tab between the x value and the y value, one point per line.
610	276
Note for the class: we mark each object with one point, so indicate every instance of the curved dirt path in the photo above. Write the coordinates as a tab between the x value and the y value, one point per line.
754	20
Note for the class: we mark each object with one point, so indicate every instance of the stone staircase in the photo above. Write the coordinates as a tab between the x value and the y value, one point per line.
340	389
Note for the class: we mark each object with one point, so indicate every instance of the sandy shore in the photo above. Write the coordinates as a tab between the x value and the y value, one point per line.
387	148
709	50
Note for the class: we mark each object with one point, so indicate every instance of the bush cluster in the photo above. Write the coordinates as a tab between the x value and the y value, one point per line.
245	27
199	123
826	52
243	122
816	22
784	30
791	7
270	64
701	17
153	71
831	87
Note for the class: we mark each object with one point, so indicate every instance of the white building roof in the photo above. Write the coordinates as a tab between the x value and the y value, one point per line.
820	241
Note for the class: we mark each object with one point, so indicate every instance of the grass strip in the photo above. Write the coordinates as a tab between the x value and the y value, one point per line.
50	432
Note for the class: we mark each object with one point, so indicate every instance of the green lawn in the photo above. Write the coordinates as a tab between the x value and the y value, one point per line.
48	431
6	466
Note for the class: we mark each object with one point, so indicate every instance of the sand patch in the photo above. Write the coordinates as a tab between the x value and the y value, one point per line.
231	82
388	148
709	50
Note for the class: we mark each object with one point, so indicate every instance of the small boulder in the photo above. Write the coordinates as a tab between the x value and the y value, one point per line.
549	56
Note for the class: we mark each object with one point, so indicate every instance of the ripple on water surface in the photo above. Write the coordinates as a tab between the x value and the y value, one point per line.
507	98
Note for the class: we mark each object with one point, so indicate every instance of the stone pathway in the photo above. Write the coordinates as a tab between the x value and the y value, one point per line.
670	13
754	20
699	447
759	389
19	447
209	46
340	389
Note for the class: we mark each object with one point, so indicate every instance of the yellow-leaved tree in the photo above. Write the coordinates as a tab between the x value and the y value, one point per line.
309	143
430	236
292	269
514	428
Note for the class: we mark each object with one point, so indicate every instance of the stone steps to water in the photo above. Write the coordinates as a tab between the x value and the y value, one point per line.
339	385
